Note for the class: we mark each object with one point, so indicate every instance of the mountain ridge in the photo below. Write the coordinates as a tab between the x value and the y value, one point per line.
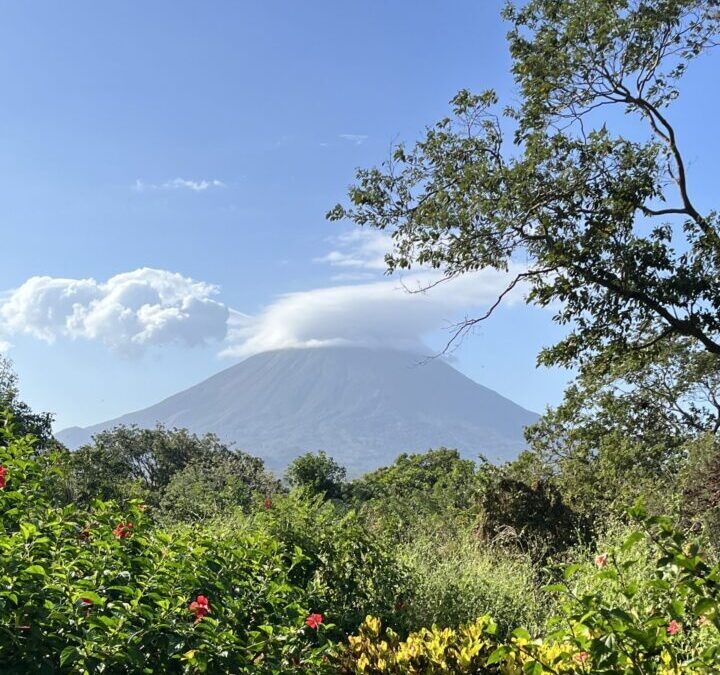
363	406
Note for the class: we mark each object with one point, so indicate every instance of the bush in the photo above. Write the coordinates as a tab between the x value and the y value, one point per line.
346	569
317	473
214	485
104	591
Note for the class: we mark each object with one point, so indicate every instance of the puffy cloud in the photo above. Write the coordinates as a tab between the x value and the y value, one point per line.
383	313
179	184
129	312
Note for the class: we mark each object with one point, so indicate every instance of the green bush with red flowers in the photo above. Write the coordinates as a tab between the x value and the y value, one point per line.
104	590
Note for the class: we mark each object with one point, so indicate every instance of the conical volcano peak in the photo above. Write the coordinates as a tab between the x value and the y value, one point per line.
364	406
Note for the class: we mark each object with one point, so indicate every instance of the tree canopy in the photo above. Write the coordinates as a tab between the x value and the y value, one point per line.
607	223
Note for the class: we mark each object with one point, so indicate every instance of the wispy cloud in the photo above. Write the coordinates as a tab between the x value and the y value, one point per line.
357	139
359	249
179	184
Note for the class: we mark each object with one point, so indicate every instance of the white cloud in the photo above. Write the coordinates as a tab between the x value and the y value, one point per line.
359	249
382	313
180	184
129	312
357	139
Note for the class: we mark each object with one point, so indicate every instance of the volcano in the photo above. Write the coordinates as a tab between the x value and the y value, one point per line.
362	406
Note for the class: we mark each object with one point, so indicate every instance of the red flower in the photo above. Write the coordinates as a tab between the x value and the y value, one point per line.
268	503
200	607
3	473
123	530
673	627
314	620
601	560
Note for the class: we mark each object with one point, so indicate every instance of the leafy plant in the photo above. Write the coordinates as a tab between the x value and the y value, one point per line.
104	590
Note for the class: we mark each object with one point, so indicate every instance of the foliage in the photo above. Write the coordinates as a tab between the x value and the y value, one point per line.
587	206
215	484
624	428
465	650
700	486
419	492
128	462
345	568
669	624
532	515
105	591
318	473
454	579
25	420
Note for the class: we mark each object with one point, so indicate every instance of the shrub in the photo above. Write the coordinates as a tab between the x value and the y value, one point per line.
317	473
346	569
214	485
104	590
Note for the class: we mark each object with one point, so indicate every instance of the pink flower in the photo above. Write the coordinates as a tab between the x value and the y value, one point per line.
673	628
200	607
581	657
601	560
314	620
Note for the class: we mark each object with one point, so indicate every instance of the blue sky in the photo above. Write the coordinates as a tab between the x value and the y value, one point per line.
207	141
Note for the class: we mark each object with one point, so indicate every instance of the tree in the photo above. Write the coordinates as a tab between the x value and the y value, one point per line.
435	490
24	420
215	484
127	462
608	223
625	425
318	473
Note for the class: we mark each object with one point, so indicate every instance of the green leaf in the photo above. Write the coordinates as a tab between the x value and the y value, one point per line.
498	655
36	570
89	595
68	655
521	634
633	539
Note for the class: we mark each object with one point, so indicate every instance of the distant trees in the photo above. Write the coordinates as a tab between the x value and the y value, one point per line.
24	420
186	475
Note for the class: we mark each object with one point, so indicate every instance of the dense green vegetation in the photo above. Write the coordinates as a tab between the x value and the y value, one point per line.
596	551
433	560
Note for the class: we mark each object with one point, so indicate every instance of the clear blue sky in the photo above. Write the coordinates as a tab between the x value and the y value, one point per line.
208	140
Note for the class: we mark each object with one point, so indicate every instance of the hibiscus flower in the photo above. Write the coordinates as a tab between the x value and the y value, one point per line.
200	607
314	620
